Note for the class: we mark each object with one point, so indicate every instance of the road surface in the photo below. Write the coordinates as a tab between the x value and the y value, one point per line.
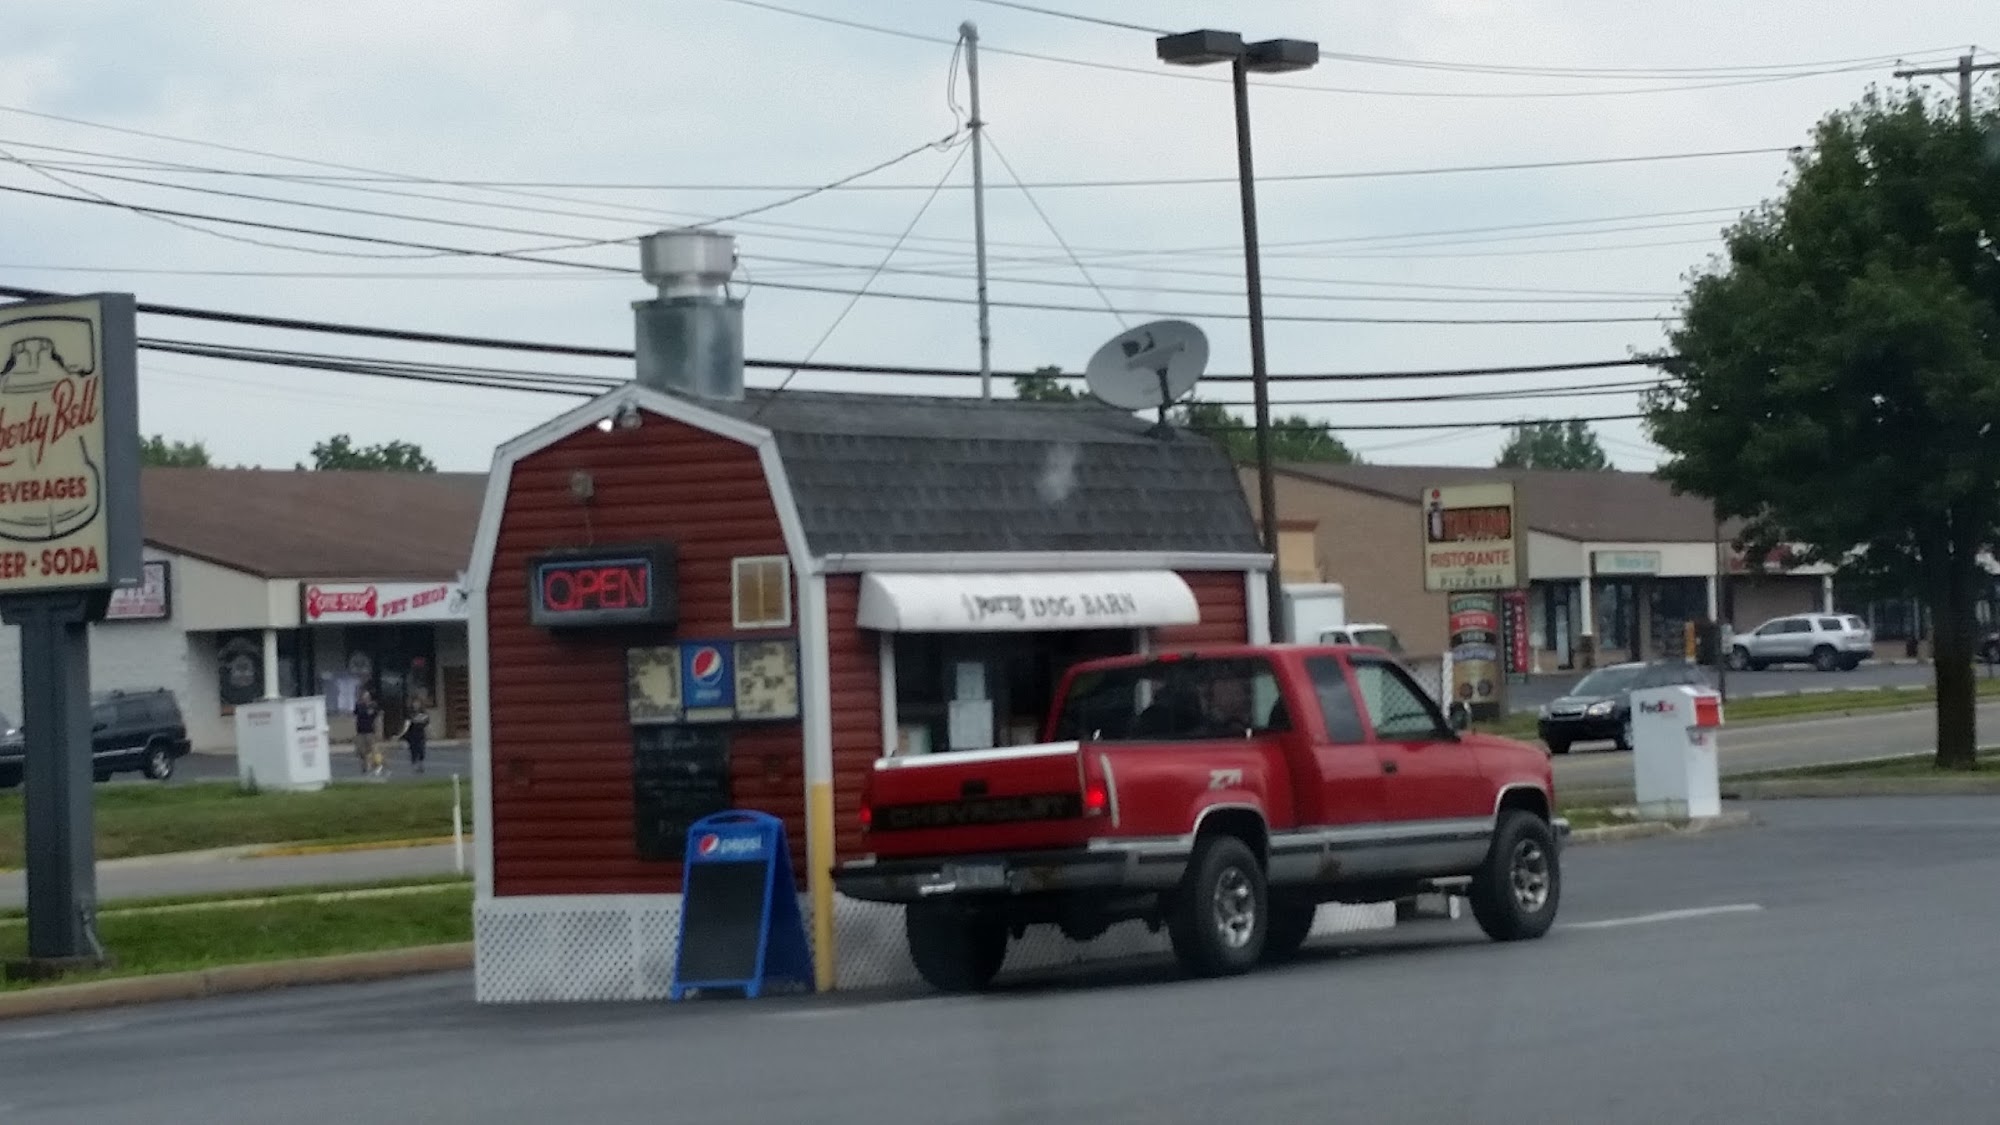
1831	965
1772	681
1782	745
1743	749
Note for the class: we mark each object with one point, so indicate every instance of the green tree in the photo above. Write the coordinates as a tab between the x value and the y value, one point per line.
1838	373
1293	438
161	453
340	452
1553	445
1044	386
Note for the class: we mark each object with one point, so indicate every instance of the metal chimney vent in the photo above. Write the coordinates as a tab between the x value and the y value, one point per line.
690	337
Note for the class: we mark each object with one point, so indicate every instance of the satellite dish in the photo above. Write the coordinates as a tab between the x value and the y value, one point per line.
1149	367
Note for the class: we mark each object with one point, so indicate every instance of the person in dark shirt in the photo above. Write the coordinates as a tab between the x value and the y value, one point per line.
366	717
416	731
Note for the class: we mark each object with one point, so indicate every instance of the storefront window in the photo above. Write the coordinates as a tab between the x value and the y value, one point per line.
960	691
762	589
1675	603
394	662
239	668
1617	612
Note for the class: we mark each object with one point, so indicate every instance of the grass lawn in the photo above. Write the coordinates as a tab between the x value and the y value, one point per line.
137	820
1782	706
1907	766
298	926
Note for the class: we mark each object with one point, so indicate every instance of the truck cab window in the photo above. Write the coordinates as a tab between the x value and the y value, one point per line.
1397	708
1336	700
1175	700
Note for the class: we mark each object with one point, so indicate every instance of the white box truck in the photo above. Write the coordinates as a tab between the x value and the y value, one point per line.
1316	613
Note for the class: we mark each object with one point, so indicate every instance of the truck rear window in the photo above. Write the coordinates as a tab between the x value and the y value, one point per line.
1174	700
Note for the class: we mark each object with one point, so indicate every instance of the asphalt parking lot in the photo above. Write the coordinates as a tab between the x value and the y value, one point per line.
1830	964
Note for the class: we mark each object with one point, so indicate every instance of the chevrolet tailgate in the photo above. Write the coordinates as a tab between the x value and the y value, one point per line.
1017	798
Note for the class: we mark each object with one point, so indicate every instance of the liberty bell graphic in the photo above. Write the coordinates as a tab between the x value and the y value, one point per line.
50	398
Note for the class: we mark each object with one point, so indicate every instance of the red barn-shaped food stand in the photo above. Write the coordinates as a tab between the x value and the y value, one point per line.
685	604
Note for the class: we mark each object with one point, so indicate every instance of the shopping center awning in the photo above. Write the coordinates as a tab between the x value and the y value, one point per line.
1025	602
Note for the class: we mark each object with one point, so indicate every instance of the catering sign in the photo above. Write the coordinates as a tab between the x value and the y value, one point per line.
69	445
1472	538
384	603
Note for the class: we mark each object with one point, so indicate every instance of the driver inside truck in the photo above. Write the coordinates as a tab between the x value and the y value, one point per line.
1228	707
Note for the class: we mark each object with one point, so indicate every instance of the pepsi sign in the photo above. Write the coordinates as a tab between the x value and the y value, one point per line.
714	847
629	585
708	680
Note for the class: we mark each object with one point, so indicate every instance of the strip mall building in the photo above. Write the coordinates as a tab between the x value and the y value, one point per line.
266	582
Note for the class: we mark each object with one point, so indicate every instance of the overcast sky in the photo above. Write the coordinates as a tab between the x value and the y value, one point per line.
690	94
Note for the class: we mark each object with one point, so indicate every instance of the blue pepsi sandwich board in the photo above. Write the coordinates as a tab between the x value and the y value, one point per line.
740	921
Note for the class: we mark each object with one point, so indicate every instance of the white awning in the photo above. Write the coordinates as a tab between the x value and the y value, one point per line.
1025	602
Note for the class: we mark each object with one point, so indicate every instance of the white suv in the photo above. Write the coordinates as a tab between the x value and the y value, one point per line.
1824	640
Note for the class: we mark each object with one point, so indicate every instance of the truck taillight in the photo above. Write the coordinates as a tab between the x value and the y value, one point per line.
867	818
1095	799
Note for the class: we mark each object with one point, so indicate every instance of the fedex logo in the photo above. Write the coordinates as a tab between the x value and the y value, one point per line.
1656	708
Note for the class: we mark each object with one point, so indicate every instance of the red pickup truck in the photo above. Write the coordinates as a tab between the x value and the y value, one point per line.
1223	793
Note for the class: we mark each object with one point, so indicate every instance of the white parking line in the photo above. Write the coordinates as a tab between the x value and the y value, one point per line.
1664	916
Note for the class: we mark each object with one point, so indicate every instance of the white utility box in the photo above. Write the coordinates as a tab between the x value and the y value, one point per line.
1673	752
282	744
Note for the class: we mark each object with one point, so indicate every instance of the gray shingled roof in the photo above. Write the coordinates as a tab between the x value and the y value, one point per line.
895	473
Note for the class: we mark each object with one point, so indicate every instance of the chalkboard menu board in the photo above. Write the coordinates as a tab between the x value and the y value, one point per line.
679	775
721	942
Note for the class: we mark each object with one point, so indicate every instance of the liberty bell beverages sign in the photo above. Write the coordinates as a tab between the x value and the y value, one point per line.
69	445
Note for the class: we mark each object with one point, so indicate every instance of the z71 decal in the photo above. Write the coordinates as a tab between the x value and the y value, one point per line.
1224	779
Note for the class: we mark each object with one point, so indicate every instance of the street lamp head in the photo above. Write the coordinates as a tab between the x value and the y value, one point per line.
1199	48
1279	56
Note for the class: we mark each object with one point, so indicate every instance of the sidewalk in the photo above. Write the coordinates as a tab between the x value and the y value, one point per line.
230	869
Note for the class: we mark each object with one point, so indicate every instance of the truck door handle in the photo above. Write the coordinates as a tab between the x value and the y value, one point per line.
1388	767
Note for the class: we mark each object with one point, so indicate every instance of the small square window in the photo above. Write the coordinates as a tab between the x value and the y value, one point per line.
763	592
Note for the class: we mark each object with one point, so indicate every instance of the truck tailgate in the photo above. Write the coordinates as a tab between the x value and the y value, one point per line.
968	802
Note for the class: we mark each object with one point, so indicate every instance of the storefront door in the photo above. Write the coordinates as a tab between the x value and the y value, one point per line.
397	663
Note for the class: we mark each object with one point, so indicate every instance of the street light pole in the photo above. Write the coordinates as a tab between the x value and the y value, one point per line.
1260	376
1271	56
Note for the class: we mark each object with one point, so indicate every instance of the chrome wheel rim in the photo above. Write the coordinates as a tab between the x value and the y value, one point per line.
1235	907
1530	875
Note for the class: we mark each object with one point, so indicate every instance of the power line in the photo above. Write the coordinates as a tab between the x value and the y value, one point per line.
1101	22
925	298
1056	234
1307	87
1102	255
1641	73
845	181
404	335
870	280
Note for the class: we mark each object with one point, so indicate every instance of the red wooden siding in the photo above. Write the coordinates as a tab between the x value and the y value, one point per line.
855	691
1219	593
562	746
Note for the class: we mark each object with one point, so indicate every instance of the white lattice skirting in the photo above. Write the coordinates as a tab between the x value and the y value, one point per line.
572	948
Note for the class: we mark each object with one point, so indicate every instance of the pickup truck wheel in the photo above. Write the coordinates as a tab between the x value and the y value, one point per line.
1291	924
1220	917
955	950
1515	893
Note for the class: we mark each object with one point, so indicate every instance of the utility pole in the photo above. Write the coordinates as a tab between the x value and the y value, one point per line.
969	31
1965	69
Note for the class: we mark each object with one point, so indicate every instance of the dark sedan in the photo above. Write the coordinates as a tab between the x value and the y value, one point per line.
1599	707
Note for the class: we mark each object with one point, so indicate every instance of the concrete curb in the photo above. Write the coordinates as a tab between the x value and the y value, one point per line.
1642	829
1794	788
275	851
207	855
347	968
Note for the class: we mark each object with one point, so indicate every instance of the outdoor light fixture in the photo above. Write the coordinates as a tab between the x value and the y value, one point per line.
1270	56
628	417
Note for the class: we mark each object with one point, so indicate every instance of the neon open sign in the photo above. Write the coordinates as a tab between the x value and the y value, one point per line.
631	585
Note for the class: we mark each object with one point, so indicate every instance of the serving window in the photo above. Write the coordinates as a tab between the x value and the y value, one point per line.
975	691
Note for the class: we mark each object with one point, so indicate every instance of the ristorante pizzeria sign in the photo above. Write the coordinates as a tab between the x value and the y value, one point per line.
69	445
1472	538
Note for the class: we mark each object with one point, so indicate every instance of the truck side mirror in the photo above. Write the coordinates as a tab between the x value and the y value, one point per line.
1461	717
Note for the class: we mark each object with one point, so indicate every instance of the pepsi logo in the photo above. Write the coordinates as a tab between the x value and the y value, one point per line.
706	667
707	844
